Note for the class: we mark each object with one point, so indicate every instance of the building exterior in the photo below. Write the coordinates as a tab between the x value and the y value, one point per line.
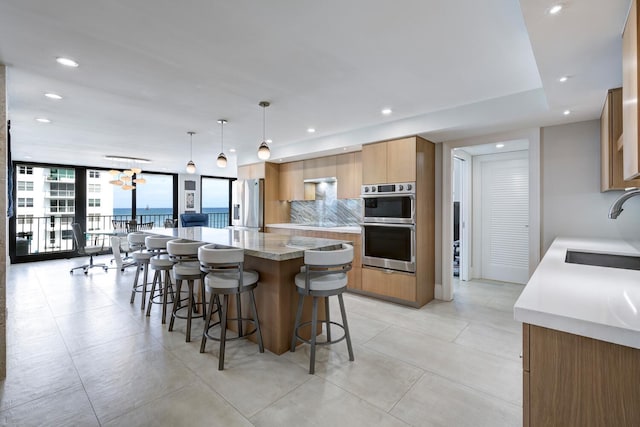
46	207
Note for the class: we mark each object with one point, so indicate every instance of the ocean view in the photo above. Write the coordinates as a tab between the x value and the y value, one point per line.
161	211
218	217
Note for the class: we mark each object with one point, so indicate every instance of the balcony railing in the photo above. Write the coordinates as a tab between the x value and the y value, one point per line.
49	234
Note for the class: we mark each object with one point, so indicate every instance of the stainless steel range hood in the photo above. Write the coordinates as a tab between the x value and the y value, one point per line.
319	180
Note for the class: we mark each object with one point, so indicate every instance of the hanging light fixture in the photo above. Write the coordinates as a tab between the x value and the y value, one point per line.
222	159
124	178
263	151
191	167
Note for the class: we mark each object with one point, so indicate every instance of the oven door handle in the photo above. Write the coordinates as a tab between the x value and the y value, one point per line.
383	195
384	224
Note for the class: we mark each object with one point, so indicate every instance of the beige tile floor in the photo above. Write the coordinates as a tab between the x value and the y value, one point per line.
79	354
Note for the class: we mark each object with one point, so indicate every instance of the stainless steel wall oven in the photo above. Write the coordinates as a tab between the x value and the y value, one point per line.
389	230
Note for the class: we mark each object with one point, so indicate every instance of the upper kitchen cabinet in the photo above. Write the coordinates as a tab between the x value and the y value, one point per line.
320	167
630	151
291	181
252	171
389	161
611	153
349	175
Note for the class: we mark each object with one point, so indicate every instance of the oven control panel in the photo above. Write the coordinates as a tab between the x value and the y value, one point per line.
396	188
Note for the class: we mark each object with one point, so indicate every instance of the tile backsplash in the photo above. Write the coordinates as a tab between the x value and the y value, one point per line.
335	212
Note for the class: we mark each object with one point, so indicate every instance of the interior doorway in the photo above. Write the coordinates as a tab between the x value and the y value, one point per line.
489	212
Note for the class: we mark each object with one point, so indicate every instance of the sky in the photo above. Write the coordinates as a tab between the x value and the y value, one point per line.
157	193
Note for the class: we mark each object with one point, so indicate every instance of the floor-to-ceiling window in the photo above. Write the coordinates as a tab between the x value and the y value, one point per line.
45	209
155	199
216	200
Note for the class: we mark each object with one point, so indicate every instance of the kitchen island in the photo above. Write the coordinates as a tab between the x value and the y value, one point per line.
581	338
277	258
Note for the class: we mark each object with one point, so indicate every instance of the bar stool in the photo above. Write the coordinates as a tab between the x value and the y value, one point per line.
160	262
141	258
185	255
226	276
323	275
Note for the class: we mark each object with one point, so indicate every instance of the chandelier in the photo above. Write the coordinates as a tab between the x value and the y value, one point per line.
127	179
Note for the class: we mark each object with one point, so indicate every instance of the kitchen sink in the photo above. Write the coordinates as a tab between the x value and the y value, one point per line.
627	262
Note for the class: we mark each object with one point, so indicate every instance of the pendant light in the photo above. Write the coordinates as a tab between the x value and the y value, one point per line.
222	159
263	151
191	167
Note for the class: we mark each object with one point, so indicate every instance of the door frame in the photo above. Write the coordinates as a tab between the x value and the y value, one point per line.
466	226
444	290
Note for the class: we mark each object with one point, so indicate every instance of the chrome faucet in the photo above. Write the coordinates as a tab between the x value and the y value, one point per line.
616	208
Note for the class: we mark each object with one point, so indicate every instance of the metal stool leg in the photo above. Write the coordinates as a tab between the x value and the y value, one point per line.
176	304
327	317
346	327
190	310
223	331
156	278
207	322
314	325
135	283
294	339
239	313
144	285
165	292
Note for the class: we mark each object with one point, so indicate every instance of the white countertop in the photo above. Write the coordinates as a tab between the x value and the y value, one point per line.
335	229
595	302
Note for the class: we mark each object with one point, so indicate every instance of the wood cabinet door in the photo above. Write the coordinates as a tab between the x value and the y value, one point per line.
374	163
401	160
630	150
349	176
320	167
291	181
390	284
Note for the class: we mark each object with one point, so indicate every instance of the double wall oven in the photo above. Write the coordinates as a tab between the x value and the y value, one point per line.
389	227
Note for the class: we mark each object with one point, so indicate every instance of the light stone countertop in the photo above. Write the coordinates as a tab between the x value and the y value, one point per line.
276	247
354	229
596	302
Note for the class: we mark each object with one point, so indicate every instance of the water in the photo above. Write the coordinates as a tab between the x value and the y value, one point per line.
161	211
218	217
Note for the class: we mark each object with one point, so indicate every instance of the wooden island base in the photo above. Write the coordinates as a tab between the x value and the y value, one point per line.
277	301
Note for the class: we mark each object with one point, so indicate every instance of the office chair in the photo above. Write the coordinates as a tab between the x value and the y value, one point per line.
83	249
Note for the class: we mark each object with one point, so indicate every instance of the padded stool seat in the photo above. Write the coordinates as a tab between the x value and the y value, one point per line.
323	275
226	276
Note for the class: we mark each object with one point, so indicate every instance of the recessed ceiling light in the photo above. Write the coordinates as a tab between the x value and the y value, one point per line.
42	120
344	149
499	145
52	95
67	62
566	112
563	79
232	150
555	9
386	111
311	130
268	141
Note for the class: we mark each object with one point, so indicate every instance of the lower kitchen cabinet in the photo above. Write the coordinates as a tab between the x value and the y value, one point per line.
389	283
571	380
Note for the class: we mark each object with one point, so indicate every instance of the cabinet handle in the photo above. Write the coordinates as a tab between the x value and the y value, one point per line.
520	355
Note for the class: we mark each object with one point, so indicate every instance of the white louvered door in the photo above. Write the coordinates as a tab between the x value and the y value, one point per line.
505	220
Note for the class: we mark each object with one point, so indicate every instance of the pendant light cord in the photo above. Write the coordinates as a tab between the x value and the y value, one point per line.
264	126
222	136
191	146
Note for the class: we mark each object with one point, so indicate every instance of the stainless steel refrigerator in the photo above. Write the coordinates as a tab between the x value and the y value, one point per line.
247	201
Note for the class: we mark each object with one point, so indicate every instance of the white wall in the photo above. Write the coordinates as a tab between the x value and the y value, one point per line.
572	204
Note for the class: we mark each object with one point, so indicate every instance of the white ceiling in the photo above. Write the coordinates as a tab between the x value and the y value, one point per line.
151	70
